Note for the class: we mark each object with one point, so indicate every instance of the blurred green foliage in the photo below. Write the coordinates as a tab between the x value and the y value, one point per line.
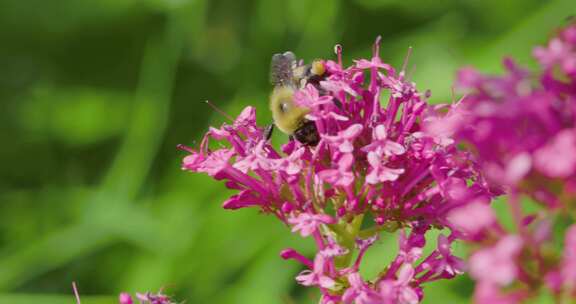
95	96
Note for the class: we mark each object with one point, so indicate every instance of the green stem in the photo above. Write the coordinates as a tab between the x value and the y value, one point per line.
346	234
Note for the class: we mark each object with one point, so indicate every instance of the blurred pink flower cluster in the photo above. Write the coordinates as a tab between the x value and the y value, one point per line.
374	170
145	298
126	298
522	129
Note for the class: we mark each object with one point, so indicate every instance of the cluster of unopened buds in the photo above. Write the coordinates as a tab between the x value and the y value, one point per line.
387	161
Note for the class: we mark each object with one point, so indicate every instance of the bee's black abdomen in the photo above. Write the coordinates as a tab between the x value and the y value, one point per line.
307	133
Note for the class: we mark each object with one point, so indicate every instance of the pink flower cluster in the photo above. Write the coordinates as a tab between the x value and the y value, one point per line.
375	169
145	298
522	129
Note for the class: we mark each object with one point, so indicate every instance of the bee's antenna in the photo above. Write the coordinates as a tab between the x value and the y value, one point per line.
215	108
403	71
76	292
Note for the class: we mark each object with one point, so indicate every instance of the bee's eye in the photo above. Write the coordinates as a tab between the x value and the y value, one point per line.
284	107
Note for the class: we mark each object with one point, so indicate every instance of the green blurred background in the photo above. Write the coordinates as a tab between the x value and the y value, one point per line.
95	96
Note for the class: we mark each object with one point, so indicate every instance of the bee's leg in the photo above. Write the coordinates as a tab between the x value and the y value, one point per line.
290	137
268	131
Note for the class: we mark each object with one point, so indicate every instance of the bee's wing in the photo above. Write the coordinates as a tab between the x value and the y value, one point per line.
281	68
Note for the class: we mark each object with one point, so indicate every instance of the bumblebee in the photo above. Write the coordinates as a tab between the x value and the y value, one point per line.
288	75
